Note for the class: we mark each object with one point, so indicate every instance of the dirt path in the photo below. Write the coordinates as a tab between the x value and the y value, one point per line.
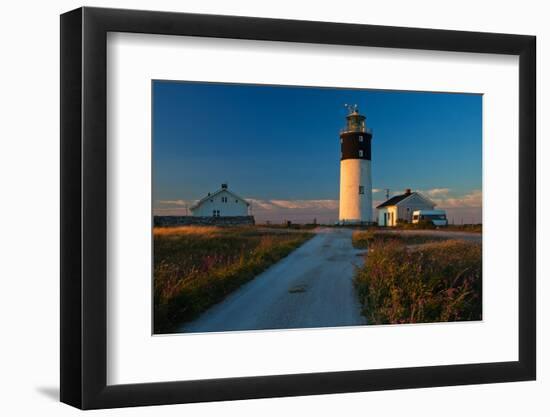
312	287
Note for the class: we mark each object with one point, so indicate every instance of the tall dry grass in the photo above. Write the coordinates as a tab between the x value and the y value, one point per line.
363	239
437	282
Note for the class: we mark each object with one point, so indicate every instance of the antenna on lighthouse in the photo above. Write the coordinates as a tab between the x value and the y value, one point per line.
352	108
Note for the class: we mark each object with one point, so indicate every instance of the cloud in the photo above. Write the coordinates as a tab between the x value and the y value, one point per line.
324	211
270	205
472	199
445	198
465	208
174	202
262	204
435	192
304	204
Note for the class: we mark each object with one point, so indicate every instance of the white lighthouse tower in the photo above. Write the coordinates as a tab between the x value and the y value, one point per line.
355	170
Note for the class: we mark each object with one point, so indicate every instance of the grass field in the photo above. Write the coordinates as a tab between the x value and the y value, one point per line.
473	228
197	266
438	281
365	238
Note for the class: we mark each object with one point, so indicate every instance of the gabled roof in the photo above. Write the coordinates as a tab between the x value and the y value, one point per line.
396	200
209	196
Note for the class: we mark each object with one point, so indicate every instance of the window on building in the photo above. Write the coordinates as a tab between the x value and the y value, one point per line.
236	201
360	138
216	213
224	199
360	153
361	189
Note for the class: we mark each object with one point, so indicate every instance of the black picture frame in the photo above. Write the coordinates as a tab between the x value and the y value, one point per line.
84	207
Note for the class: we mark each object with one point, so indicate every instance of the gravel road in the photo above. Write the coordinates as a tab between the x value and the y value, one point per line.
312	287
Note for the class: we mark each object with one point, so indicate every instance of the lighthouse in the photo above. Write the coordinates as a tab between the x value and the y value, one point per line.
355	169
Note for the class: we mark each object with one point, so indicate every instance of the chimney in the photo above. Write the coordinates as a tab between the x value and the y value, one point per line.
224	186
408	191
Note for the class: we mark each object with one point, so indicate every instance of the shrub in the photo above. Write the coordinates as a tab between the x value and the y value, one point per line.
362	239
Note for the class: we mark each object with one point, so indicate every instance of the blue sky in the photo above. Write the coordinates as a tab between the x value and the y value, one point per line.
279	147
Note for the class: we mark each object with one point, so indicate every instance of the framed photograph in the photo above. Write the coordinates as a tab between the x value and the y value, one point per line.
257	208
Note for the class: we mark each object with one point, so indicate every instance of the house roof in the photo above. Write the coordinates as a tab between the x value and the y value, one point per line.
395	200
202	200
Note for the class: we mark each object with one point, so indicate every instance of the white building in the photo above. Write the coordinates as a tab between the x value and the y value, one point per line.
355	170
222	203
401	207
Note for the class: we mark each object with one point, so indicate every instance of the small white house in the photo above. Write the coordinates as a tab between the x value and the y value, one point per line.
401	207
222	203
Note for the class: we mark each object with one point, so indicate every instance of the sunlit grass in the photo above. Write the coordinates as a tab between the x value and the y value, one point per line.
362	239
435	282
197	266
186	230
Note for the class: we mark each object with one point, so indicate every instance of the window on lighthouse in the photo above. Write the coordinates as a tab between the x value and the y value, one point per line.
361	189
360	138
360	153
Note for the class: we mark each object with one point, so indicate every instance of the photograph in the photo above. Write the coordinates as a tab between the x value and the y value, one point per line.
295	207
283	204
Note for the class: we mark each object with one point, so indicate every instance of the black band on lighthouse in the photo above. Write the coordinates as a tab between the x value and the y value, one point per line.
355	145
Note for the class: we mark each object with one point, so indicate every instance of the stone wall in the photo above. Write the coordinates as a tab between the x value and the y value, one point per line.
166	221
